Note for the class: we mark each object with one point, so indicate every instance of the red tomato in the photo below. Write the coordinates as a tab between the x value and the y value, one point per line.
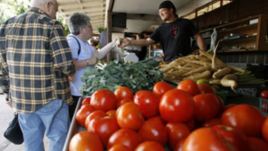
154	130
206	106
161	87
176	133
176	106
85	141
103	99
86	101
111	113
93	115
126	137
119	147
264	94
123	92
256	144
82	114
104	127
147	102
123	101
150	146
189	86
212	122
192	124
179	145
205	88
129	116
265	129
220	138
245	118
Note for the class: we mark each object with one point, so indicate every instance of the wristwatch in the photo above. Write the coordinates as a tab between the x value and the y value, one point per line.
88	62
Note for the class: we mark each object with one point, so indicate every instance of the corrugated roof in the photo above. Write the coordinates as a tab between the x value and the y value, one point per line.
95	9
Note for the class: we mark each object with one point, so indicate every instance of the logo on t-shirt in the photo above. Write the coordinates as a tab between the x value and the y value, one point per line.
173	31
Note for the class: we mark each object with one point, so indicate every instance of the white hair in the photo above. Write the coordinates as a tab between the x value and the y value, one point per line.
38	3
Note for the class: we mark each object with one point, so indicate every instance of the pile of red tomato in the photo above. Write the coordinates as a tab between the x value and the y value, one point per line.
189	117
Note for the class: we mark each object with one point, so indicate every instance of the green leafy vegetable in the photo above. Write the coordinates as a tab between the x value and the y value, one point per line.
140	75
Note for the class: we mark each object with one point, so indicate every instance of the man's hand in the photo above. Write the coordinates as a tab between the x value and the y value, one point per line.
8	101
125	42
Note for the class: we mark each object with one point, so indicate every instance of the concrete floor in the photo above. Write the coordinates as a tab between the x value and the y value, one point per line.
6	115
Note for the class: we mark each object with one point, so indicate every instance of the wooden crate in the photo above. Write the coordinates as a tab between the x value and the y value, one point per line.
74	127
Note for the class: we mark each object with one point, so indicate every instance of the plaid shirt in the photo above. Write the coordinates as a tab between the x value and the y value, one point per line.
37	58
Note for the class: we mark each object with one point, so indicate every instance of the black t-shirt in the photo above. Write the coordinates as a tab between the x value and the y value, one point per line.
175	38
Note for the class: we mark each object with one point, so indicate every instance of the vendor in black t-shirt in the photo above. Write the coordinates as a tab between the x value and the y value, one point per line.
174	34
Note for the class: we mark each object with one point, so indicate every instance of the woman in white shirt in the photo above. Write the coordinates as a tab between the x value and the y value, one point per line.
84	54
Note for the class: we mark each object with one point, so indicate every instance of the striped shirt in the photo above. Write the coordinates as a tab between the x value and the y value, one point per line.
37	57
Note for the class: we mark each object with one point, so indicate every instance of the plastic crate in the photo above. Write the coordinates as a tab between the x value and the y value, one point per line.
263	106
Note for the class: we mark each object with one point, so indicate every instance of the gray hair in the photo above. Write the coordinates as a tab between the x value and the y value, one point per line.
38	3
78	21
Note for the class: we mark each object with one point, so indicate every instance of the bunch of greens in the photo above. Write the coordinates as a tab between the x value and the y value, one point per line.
137	76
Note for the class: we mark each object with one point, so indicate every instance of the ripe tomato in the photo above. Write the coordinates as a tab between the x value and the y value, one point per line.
123	101
179	145
161	87
265	129
176	106
85	141
147	102
245	118
93	115
220	138
86	101
82	113
128	115
111	113
206	106
126	137
150	146
123	92
189	86
264	94
119	147
257	144
103	99
104	127
205	88
154	130
176	133
212	122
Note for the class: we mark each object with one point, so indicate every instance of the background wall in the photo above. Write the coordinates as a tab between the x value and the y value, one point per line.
137	26
236	10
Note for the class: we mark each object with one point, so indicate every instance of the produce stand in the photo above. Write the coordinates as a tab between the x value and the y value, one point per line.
74	127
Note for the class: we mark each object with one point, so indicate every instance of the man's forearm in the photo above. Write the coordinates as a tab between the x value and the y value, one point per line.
141	42
200	42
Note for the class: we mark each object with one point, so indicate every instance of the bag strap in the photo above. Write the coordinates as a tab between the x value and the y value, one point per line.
79	46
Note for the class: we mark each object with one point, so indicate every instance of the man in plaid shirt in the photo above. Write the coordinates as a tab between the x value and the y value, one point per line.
36	56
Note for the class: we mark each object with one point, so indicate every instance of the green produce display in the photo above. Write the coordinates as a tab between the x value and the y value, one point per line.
137	76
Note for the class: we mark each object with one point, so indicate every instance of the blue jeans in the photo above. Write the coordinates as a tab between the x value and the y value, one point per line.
52	120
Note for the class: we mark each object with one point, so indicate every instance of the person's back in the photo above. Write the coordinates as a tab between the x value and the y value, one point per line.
31	48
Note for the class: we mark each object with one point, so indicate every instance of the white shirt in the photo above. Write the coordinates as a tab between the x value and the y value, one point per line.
86	52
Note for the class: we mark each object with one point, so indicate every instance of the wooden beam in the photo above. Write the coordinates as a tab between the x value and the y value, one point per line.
88	11
85	4
108	22
91	15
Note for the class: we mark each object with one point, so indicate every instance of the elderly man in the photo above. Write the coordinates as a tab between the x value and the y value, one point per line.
36	56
